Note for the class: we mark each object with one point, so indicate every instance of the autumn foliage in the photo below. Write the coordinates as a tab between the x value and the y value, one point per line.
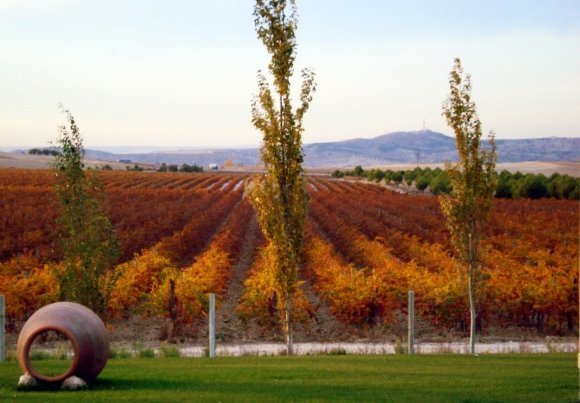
530	256
364	248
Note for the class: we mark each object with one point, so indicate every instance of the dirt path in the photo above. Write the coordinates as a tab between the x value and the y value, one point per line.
229	328
323	326
402	188
228	325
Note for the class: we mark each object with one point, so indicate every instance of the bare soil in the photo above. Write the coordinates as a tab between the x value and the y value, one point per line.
228	324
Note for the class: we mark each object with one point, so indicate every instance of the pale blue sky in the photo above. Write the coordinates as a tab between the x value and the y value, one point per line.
182	73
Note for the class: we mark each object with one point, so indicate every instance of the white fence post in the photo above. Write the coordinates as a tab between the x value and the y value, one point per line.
2	328
411	323
212	325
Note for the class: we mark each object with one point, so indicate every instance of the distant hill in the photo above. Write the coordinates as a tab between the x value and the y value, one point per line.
394	148
431	147
243	156
544	149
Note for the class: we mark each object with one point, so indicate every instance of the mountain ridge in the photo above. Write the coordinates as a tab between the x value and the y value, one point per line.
424	147
427	146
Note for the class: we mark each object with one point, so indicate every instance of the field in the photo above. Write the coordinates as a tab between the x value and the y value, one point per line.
449	378
546	168
365	248
28	161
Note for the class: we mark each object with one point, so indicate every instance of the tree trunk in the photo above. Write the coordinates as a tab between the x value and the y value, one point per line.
172	316
472	290
288	326
172	300
472	314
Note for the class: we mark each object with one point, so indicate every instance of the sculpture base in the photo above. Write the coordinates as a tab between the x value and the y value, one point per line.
27	381
74	383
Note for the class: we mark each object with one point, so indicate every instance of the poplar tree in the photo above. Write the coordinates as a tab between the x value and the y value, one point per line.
86	235
473	179
280	196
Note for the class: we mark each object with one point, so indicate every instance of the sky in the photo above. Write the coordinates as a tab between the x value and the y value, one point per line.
183	73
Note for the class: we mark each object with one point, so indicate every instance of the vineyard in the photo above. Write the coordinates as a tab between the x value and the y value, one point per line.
184	235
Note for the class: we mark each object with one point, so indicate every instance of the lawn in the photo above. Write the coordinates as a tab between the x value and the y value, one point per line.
420	378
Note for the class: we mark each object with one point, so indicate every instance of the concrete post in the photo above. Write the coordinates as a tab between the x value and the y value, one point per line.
411	323
212	325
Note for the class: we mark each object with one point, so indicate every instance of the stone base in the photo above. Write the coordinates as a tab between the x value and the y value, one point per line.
26	381
74	383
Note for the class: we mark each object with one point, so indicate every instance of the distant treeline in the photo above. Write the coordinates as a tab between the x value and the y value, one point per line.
510	185
180	168
163	168
43	151
136	167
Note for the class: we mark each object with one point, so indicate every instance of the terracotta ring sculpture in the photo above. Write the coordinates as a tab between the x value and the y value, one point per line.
81	326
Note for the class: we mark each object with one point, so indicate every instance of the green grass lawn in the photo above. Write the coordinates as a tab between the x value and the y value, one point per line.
444	378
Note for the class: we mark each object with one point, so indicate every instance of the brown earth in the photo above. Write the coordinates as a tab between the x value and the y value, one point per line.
23	161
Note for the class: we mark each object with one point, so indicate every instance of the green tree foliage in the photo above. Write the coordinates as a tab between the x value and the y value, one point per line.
533	187
409	177
190	168
397	177
504	190
135	168
509	185
564	187
280	197
441	184
43	151
473	178
375	175
423	182
88	242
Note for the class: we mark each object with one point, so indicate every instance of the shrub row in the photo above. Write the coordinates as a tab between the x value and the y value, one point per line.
510	185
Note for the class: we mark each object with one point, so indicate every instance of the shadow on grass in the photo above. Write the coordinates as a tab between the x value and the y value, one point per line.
140	384
236	390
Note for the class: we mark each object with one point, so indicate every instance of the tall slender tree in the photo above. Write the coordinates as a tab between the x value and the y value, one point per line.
280	196
87	239
473	179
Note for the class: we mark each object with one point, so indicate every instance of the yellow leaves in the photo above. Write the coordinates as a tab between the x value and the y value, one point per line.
188	299
280	198
466	209
208	274
530	281
348	290
209	271
281	214
136	279
263	293
27	290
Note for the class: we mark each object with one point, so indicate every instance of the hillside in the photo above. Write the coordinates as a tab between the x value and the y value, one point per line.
425	147
393	148
431	147
398	147
24	160
241	156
